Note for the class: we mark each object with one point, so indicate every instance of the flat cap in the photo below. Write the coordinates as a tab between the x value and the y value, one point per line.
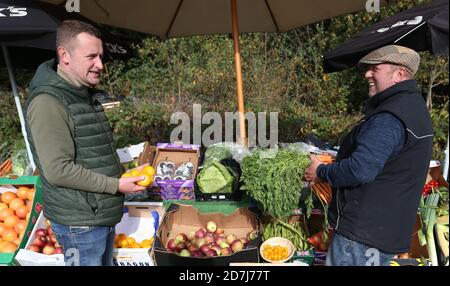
394	54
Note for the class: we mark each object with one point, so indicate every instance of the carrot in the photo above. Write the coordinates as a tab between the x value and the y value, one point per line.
324	191
6	167
327	159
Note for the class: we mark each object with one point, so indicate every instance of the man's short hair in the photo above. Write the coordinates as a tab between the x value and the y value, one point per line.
68	30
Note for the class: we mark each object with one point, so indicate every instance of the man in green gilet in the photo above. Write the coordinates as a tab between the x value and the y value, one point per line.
72	145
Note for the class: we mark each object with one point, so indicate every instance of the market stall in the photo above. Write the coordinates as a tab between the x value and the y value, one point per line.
260	211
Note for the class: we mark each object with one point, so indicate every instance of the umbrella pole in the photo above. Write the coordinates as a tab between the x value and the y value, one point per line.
446	162
239	85
18	105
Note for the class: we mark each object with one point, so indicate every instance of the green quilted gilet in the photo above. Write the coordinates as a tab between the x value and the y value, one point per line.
94	148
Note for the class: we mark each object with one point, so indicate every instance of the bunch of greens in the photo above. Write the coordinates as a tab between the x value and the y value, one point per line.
273	177
292	231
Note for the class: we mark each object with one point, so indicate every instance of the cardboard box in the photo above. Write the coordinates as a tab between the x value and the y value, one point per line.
140	221
30	258
171	189
7	184
184	218
138	154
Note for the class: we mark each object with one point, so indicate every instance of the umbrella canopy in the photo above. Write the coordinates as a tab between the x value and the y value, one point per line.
419	28
175	18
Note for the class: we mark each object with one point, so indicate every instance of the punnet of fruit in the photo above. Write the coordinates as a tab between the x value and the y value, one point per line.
44	240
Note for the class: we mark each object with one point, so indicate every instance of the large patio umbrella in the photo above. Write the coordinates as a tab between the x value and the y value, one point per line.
419	28
175	18
29	29
422	28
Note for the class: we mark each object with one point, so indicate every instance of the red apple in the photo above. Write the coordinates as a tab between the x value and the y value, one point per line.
200	242
179	247
204	248
58	250
34	248
201	233
41	232
237	245
191	236
211	253
181	238
216	248
220	231
196	253
39	241
209	237
219	240
230	238
171	245
48	249
192	247
226	251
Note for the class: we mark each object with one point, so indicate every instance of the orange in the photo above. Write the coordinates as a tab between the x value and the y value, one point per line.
30	194
22	212
16	203
29	205
8	247
9	234
17	241
3	206
2	228
11	221
148	180
135	245
21	226
149	170
131	240
22	192
123	243
7	197
5	213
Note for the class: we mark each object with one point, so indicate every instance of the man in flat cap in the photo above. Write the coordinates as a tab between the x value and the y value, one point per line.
381	165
